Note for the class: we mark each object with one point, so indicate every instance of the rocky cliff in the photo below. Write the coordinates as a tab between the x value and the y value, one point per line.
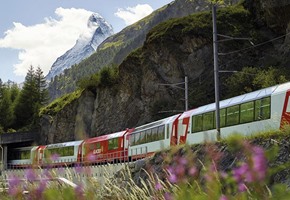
172	50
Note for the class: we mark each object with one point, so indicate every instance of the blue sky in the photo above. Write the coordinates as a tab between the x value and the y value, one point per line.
36	32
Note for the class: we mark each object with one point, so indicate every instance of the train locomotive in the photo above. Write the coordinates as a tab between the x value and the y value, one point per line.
265	109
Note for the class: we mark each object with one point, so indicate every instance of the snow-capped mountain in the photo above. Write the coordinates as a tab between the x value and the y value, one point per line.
98	30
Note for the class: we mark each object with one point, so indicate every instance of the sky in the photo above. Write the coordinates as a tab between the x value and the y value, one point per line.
37	32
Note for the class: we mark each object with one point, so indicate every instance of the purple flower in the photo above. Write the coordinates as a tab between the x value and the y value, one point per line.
180	170
54	157
79	191
172	178
242	187
158	186
192	171
259	163
47	173
223	197
41	187
168	196
13	183
61	170
182	160
170	170
240	172
78	168
30	175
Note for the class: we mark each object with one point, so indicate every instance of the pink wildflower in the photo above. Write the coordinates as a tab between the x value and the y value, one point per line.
158	186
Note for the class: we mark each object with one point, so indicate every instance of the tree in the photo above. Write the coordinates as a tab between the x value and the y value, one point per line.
269	77
253	78
33	95
41	87
241	82
6	113
24	108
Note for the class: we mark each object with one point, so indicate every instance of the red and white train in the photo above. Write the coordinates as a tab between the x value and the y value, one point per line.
265	109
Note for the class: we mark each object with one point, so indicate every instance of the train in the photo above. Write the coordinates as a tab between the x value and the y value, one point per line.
261	110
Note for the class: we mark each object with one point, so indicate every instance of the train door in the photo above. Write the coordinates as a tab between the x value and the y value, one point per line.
172	130
37	154
285	119
80	152
126	143
174	133
183	125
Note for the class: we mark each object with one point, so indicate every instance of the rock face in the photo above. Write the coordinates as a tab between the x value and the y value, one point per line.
72	123
138	98
98	30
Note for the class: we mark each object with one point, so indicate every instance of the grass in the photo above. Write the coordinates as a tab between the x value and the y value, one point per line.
60	103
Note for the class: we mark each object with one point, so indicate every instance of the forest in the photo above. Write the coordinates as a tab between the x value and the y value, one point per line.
19	105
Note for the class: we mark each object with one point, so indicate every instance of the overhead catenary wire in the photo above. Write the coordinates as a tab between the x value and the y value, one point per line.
253	46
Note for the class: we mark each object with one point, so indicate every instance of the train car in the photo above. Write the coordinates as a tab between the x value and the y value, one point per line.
66	153
152	137
20	157
262	110
106	148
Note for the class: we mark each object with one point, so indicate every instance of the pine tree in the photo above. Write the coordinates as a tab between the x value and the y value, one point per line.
25	106
33	95
41	86
6	113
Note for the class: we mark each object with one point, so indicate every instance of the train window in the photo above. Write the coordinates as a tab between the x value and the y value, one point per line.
70	151
62	151
24	155
208	121
113	144
91	146
222	117
196	123
232	115
132	139
161	132
262	108
16	154
148	135
143	136
154	134
137	138
247	112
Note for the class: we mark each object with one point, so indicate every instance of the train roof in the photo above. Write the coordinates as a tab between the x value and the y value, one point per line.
65	144
107	137
239	99
157	123
23	148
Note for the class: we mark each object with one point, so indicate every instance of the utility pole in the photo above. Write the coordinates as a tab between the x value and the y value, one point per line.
216	71
186	92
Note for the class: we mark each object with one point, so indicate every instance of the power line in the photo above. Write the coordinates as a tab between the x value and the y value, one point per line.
254	46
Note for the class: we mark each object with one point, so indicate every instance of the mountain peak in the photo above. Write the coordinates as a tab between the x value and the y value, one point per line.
98	29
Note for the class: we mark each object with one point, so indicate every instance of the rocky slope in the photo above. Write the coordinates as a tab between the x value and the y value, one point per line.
172	50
